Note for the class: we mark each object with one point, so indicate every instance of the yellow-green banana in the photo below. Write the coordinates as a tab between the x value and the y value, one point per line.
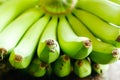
62	66
12	34
103	53
82	68
107	10
100	28
71	44
22	54
48	48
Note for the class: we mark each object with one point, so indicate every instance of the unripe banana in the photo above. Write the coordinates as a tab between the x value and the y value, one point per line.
100	68
72	45
22	54
48	48
82	68
102	53
12	9
12	34
100	28
37	68
62	66
107	10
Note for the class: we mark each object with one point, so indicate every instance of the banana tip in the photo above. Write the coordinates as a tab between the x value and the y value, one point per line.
2	53
87	43
51	44
18	58
115	53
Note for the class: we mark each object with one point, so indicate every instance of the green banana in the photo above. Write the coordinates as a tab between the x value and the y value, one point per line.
62	66
48	48
12	9
102	53
100	28
22	54
100	68
82	68
11	35
105	9
37	68
71	44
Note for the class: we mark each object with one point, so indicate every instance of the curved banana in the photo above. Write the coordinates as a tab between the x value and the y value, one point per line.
72	45
62	66
103	53
107	10
22	54
48	48
100	28
12	34
37	68
82	68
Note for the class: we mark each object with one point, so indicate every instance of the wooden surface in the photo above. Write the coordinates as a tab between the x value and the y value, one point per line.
113	73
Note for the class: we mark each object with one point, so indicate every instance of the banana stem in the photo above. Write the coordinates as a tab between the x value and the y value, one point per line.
58	6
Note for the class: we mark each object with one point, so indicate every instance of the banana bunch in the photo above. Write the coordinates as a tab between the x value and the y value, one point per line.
46	37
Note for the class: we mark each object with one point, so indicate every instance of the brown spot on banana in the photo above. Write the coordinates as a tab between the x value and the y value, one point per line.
18	58
87	43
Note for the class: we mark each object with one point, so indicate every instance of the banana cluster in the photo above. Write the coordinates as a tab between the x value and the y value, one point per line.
84	41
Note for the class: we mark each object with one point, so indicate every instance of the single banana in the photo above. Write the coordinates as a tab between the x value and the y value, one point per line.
37	68
100	68
71	44
102	53
22	54
82	68
105	9
48	48
101	29
12	34
62	66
